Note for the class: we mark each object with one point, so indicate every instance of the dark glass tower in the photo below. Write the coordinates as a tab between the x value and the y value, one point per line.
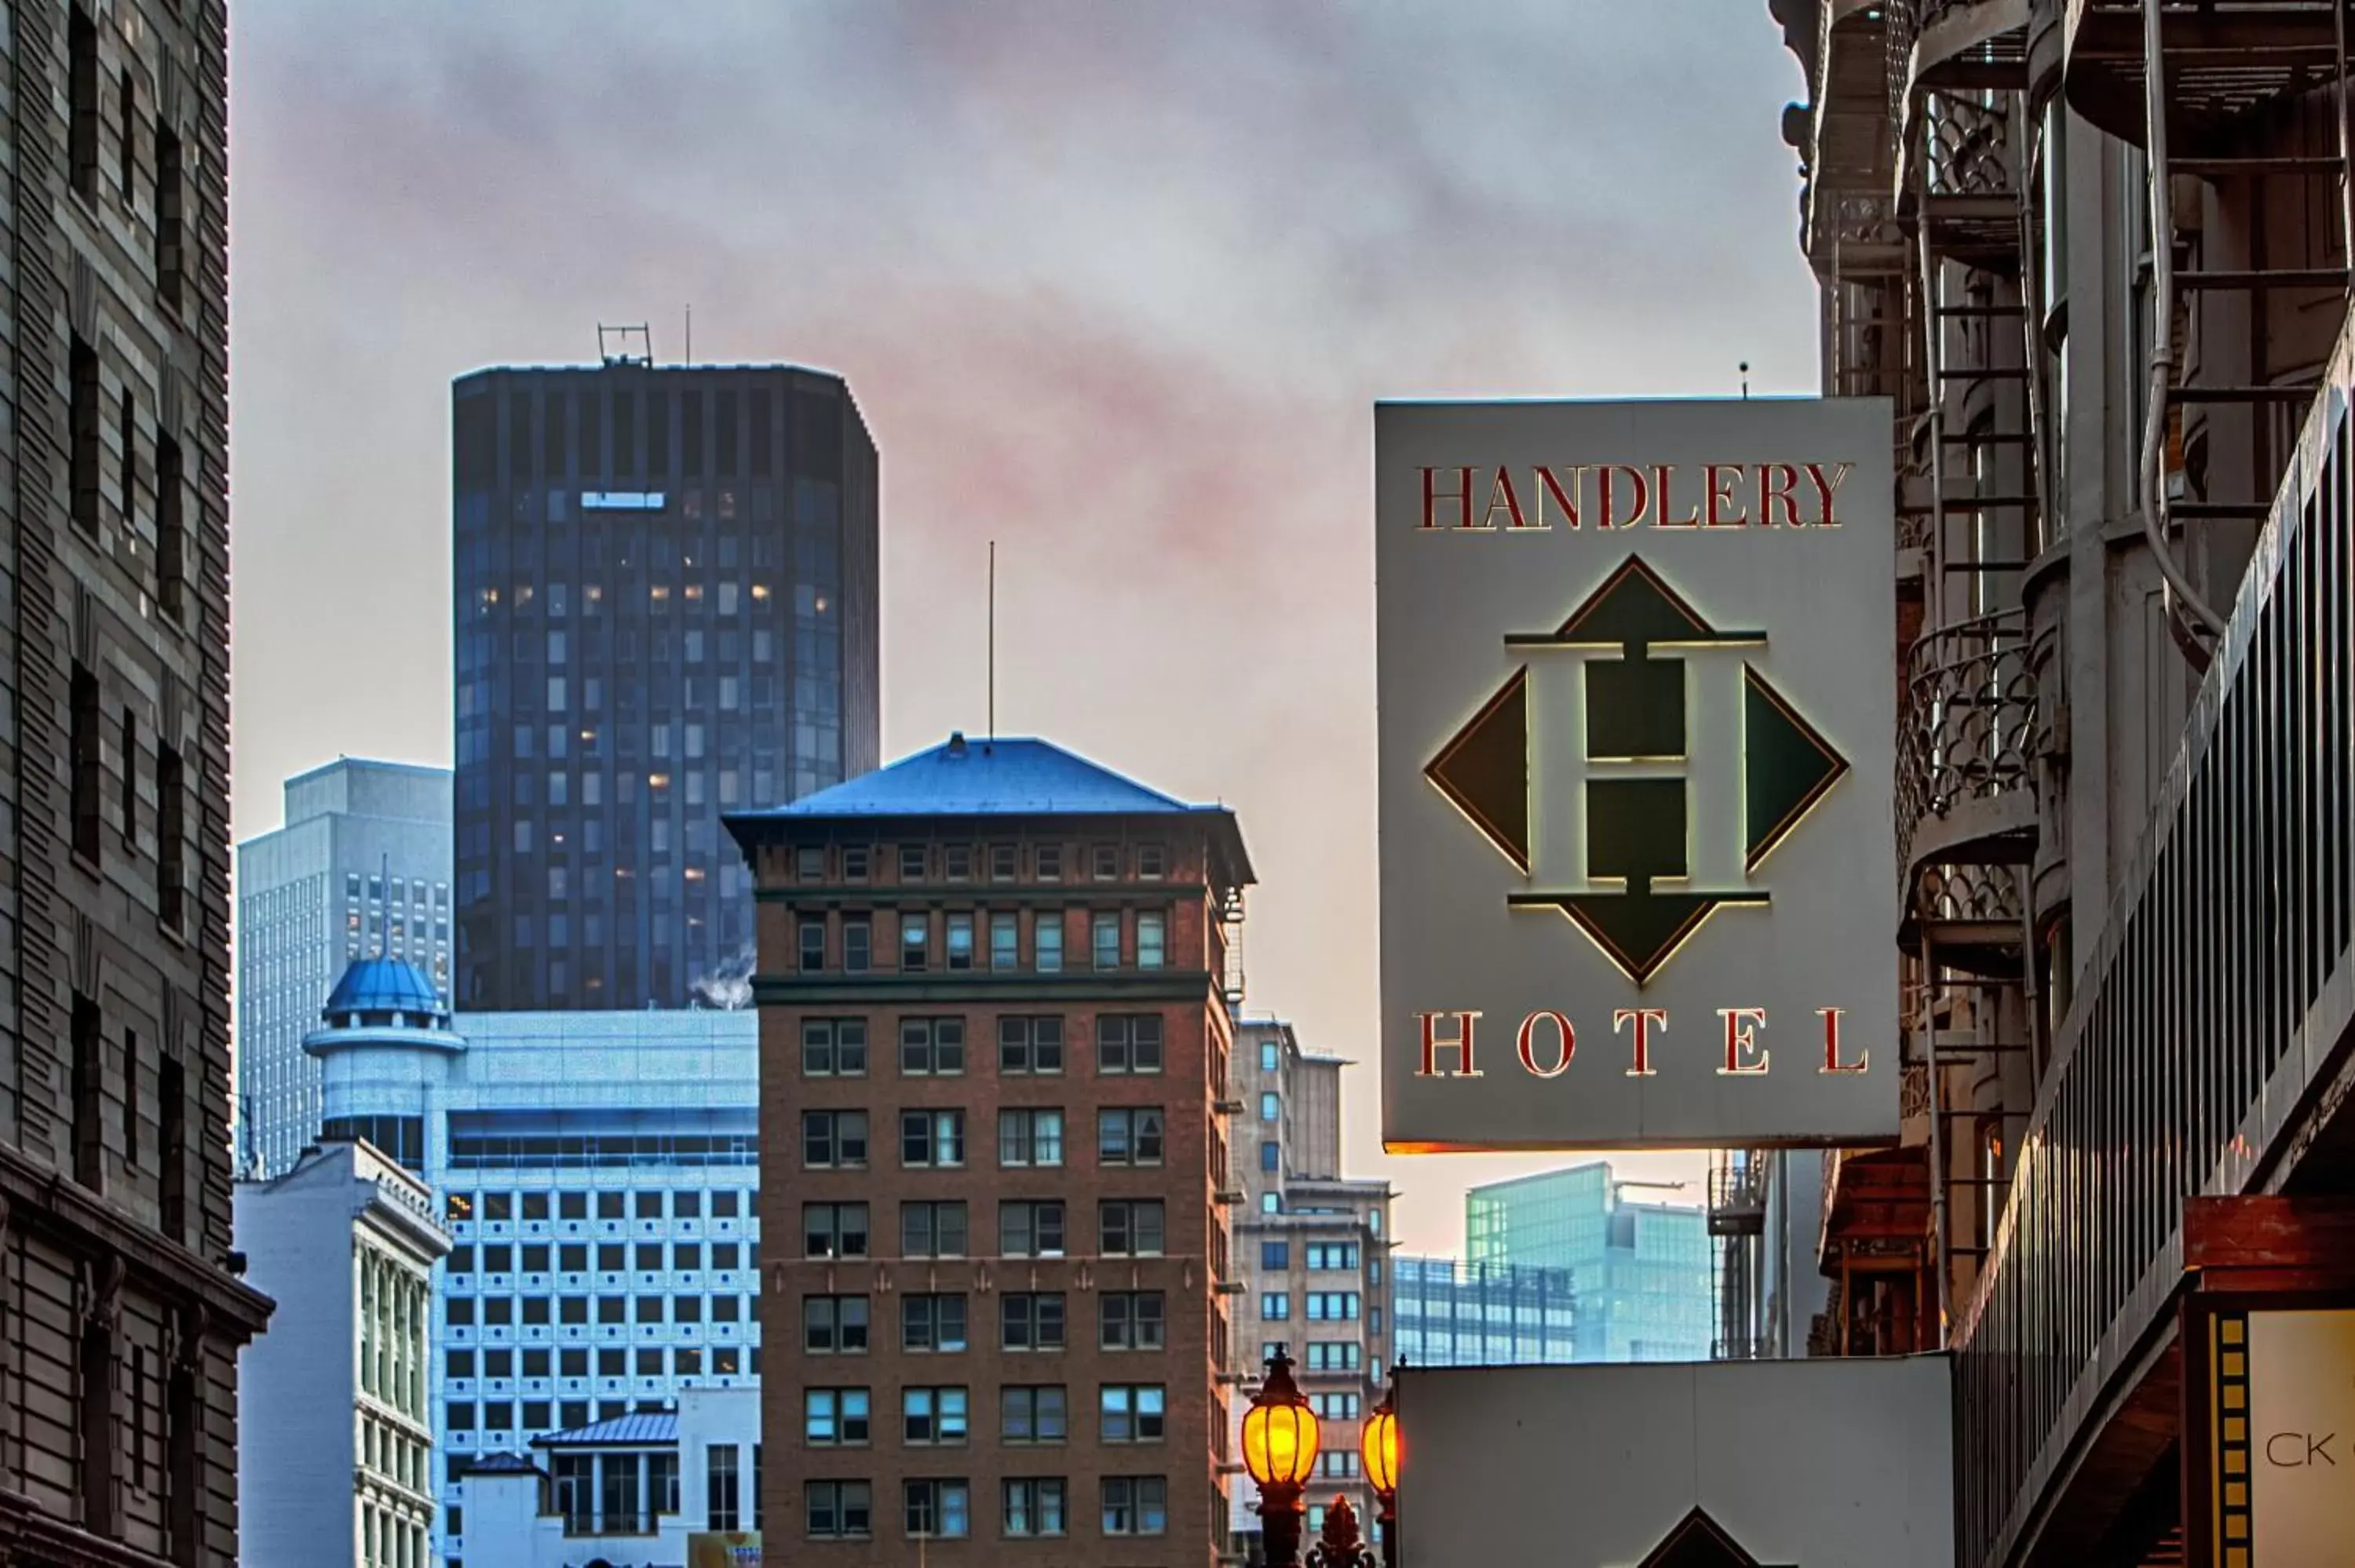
665	586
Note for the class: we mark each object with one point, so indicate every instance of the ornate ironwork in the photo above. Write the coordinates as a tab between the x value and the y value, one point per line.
1339	1544
1966	722
1969	145
1982	893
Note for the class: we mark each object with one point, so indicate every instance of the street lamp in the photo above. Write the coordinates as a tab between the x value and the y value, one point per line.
1378	1443
1279	1450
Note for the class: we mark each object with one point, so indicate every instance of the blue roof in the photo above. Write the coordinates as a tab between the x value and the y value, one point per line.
381	984
638	1429
1002	777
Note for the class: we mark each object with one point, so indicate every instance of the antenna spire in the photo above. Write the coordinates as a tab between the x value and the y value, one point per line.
993	639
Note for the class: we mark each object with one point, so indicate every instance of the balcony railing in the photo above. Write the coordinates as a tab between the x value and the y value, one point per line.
2221	992
1963	742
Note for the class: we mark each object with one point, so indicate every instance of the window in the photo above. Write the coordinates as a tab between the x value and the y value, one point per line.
932	1046
1034	1508
1271	1106
720	1489
1051	863
1032	1137
915	933
911	863
1029	1229
129	785
959	943
809	863
831	1230
1271	1157
1005	862
1271	1202
1269	1055
1128	1043
1275	1307
610	1258
1333	1306
834	1047
1103	928
1030	1044
937	1509
932	1323
1136	1505
1130	1320
84	746
834	1139
933	1230
857	945
1151	863
856	859
834	1415
1336	1355
1132	1412
1103	861
1032	1321
1333	1254
929	1415
813	933
81	93
1048	935
1130	1227
1033	1414
1152	941
834	1325
933	1138
1276	1254
839	1510
1005	941
1130	1135
956	862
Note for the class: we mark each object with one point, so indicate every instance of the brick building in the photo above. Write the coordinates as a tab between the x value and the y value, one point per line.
994	1037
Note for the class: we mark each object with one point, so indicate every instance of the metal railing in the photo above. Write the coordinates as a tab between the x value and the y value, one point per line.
1964	725
1969	146
2221	992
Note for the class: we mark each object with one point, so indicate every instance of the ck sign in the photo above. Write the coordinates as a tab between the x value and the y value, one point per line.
1637	694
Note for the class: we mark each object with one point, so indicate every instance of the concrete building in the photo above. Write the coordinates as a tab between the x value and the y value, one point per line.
1450	1313
2094	254
596	1171
337	1463
1311	1253
666	585
1640	1272
994	1009
117	1391
360	864
670	1488
1765	1213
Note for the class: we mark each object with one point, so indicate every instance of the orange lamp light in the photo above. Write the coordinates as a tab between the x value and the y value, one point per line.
1379	1444
1279	1430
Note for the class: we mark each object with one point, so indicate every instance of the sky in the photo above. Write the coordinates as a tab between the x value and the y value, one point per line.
1116	286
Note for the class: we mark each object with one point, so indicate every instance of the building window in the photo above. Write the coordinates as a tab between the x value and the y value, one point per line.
1333	1306
932	1323
936	1510
1128	1043
1271	1157
1051	863
1129	1135
956	862
1136	1505
834	1047
834	1325
1269	1055
127	785
1048	935
171	527
932	1046
1030	1137
809	863
834	1139
1276	1254
1033	1320
82	426
1033	1414
1336	1464
960	941
1271	1106
856	859
913	934
832	1416
1103	861
1027	1228
929	1416
812	935
1152	947
1334	1255
1275	1307
1005	941
932	1229
1034	1508
1132	1412
839	1510
1130	1320
1030	1044
81	93
931	1139
911	863
830	1230
1005	862
1333	1355
857	945
1103	928
86	749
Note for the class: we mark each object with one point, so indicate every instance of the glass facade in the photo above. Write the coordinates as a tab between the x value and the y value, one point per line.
1452	1313
1642	1272
664	584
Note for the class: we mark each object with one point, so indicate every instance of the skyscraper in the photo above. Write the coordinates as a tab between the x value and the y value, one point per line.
361	864
120	1319
1640	1272
666	584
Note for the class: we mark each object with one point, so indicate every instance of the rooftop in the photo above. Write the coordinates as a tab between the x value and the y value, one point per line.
638	1429
382	984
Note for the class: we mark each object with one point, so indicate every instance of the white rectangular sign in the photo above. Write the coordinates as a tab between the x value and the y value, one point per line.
2301	1448
1814	1464
1637	671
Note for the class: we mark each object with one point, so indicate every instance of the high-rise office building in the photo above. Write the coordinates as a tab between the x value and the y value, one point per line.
995	1030
1451	1313
121	1320
1641	1272
666	585
361	864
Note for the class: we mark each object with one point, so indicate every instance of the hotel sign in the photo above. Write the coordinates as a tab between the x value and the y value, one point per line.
2279	1437
1636	668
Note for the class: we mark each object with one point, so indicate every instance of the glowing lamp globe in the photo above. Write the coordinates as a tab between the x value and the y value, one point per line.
1279	1430
1380	1445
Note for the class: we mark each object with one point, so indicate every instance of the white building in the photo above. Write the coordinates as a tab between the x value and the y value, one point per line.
335	1429
596	1171
361	864
651	1489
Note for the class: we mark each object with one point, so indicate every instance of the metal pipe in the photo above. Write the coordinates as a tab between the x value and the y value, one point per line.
2179	591
1940	1218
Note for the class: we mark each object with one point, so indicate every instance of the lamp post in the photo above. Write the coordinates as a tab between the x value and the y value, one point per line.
1378	1443
1279	1450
